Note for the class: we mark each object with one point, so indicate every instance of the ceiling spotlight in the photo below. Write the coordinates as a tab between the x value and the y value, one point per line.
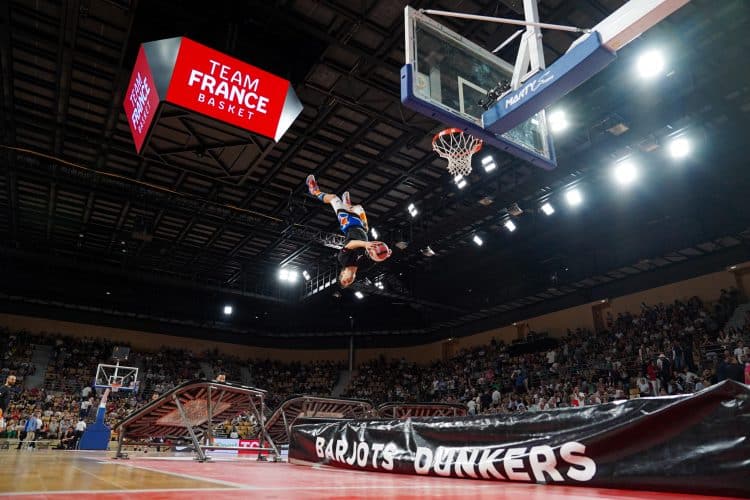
509	225
573	197
557	121
374	233
306	275
625	172
412	210
489	164
650	64
477	240
80	235
359	295
228	310
379	285
428	252
679	148
460	181
108	293
548	209
288	275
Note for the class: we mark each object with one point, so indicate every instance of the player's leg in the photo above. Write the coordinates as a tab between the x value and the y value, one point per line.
358	210
314	189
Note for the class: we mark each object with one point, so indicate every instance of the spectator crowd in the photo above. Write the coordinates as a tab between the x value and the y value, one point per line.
662	349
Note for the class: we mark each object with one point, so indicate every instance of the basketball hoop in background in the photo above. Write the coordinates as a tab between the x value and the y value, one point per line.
115	387
457	147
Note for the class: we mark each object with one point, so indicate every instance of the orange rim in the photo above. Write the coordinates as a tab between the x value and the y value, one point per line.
454	130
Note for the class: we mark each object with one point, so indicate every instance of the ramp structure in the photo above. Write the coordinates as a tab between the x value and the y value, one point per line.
278	427
407	410
190	411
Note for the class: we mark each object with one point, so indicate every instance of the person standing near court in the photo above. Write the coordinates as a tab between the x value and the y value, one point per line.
33	424
6	394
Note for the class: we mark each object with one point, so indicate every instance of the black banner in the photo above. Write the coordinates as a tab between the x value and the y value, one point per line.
698	443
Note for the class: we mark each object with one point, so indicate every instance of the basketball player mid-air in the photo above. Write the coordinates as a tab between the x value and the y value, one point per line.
358	253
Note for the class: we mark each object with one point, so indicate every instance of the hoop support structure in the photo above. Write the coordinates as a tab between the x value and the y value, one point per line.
505	20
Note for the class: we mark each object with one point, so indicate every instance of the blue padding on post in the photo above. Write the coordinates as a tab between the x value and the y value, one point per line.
418	104
96	436
571	70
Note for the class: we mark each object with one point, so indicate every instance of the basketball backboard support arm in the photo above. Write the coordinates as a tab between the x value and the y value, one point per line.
586	57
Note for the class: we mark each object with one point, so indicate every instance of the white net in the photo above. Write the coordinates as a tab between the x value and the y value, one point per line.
457	147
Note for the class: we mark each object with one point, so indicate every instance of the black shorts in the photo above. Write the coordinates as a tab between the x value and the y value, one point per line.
356	234
357	257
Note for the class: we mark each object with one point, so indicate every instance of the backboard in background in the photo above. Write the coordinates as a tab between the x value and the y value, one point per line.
445	77
123	378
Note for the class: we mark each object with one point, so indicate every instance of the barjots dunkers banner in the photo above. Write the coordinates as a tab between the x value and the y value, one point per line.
696	443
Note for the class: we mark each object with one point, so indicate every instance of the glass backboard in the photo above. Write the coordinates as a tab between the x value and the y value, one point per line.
446	76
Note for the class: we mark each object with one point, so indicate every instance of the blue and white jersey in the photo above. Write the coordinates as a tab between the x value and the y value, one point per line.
349	216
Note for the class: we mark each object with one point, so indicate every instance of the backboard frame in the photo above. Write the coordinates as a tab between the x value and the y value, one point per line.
107	375
424	104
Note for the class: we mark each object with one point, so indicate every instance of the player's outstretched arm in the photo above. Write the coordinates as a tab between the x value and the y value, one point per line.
354	244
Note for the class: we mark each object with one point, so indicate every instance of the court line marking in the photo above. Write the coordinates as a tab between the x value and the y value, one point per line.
112	492
201	490
119	487
192	477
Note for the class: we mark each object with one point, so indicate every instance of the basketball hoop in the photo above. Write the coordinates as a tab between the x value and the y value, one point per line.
457	147
115	387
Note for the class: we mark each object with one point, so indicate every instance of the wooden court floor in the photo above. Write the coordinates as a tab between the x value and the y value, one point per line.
61	475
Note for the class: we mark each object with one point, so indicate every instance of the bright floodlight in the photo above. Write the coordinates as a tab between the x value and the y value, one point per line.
679	148
374	233
573	197
288	275
548	209
306	275
625	172
488	163
557	121
412	210
359	295
477	240
379	285
650	64
510	226
228	310
460	181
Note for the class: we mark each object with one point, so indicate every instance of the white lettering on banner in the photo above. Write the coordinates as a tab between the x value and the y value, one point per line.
513	462
388	454
574	454
538	463
548	464
230	90
529	88
139	100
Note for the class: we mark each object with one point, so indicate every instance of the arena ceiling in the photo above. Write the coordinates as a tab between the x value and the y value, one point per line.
77	239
